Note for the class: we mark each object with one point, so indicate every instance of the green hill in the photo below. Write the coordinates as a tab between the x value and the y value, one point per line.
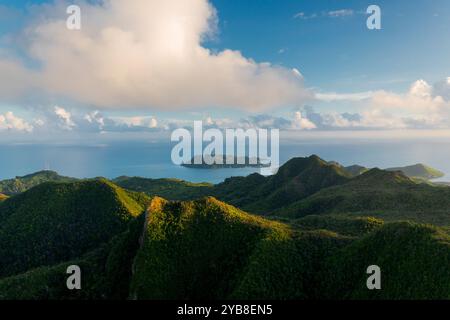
295	180
379	193
356	170
106	273
21	184
49	283
413	260
323	230
56	222
419	171
206	249
172	189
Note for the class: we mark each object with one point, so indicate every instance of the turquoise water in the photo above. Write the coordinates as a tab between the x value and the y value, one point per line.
153	159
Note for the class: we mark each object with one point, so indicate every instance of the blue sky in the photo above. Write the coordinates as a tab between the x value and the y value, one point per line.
339	53
394	78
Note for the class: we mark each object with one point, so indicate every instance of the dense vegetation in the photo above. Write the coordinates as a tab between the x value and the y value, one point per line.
413	258
322	227
387	195
297	179
172	189
21	184
56	222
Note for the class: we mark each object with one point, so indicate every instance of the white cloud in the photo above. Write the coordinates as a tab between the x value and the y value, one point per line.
421	89
328	14
65	118
422	106
137	121
442	89
9	121
340	13
300	15
301	122
333	96
145	53
420	99
95	118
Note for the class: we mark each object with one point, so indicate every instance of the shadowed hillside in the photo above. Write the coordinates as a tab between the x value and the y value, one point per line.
56	222
389	195
413	260
172	189
295	180
324	229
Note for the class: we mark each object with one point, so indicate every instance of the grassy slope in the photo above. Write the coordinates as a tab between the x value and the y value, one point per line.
21	184
172	189
57	222
388	195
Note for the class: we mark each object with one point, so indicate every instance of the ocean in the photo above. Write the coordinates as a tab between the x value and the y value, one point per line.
152	160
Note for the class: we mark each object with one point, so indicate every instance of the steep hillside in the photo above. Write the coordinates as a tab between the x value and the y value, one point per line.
295	180
384	194
206	249
57	222
172	189
21	184
49	283
195	249
413	260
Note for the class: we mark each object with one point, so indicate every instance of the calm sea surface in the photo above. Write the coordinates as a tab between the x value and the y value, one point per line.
153	159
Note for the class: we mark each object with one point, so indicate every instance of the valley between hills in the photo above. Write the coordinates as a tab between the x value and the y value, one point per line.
308	232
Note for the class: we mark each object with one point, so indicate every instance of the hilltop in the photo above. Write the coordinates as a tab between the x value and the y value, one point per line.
355	170
380	193
296	179
56	222
207	249
322	227
21	184
172	189
419	171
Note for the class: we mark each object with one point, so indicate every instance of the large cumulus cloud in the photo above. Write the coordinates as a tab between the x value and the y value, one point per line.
141	53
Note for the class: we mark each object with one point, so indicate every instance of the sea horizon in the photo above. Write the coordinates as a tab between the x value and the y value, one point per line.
152	160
